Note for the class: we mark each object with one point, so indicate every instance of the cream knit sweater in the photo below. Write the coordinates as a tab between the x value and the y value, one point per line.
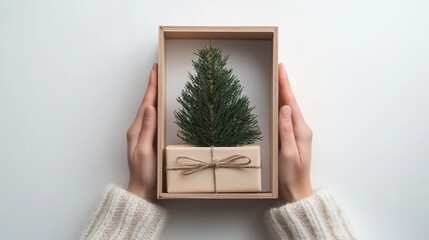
122	215
315	217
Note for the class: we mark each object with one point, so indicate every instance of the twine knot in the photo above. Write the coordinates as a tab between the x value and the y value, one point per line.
215	164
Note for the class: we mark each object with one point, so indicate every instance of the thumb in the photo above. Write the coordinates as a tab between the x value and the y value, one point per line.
287	136
148	128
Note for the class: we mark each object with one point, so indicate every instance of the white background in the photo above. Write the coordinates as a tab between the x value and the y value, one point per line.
72	74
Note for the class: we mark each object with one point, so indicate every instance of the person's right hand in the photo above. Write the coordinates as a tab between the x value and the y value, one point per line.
295	142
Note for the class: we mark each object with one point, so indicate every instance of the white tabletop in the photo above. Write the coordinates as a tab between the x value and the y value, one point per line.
72	75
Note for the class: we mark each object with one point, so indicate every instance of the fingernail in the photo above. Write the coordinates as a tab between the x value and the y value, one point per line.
154	66
285	111
149	112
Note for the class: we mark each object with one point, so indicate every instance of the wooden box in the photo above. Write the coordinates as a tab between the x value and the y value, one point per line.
240	36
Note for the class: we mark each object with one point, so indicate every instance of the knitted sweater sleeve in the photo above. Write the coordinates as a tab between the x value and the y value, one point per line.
122	215
315	217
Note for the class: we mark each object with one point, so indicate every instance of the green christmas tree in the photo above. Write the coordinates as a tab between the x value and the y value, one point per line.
214	111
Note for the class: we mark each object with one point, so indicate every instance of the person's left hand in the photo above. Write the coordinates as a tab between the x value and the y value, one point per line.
141	147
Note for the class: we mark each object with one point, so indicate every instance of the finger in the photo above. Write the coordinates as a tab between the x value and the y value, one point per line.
150	95
148	100
289	147
302	132
147	135
286	97
285	91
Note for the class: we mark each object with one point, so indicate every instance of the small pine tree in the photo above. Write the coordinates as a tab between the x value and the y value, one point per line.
214	113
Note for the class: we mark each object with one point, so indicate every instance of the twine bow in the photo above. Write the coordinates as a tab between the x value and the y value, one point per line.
190	165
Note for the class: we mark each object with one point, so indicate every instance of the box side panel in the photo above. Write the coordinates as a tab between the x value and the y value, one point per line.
265	195
212	32
161	111
274	116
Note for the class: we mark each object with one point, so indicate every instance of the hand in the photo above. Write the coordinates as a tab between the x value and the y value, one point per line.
295	142
140	139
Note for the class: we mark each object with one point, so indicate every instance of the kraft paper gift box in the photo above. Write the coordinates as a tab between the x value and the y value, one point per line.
191	169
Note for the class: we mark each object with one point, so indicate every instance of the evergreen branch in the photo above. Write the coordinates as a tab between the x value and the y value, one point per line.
214	111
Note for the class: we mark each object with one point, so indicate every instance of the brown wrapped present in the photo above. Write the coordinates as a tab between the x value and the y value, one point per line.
193	169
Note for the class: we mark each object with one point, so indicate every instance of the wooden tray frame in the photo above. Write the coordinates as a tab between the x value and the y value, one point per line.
220	32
